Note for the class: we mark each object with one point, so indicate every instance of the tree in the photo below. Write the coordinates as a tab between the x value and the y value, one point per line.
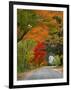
54	42
39	53
25	54
26	19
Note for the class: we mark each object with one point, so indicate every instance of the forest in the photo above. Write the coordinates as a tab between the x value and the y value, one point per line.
39	39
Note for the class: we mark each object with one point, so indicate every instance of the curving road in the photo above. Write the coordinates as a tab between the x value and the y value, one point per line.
43	73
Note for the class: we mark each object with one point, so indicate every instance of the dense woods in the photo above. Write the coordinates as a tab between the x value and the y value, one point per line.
39	36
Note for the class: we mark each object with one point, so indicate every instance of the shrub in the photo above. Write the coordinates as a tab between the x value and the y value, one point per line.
56	61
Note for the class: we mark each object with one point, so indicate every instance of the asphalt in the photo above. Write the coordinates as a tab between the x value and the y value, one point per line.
43	73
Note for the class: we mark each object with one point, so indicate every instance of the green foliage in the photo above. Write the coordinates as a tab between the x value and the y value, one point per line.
58	19
53	30
54	42
20	66
55	37
24	54
26	19
56	61
28	45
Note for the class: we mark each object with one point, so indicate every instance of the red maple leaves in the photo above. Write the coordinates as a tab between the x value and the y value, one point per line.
39	52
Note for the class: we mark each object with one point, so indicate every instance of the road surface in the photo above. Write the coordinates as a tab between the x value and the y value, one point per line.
43	73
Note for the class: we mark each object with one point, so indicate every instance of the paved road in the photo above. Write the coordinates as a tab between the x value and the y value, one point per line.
43	73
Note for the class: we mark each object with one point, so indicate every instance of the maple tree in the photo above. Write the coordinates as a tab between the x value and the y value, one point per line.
39	53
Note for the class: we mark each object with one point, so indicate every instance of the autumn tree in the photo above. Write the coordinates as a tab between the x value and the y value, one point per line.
39	53
26	19
54	42
25	54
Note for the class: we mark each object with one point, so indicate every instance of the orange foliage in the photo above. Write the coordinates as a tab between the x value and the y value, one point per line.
49	14
39	34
